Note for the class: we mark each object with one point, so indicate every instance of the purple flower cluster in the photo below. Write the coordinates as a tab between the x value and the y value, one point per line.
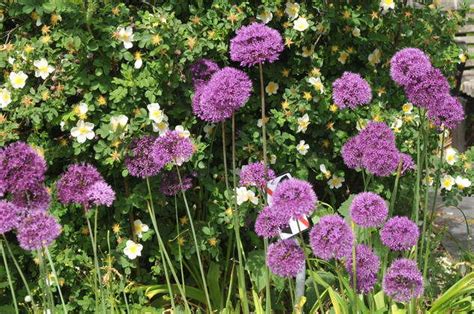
294	198
367	267
269	223
170	185
172	147
368	210
331	238
9	216
226	92
36	198
426	87
407	163
100	193
256	44
399	233
403	280
37	230
202	71
351	90
285	258
140	163
256	174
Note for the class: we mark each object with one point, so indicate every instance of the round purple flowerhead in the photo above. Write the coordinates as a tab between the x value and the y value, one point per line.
100	193
377	134
331	238
352	152
35	198
172	147
226	92
367	267
368	210
255	44
170	185
256	174
202	71
269	223
351	90
285	258
403	280
381	161
294	198
399	233
21	168
9	216
407	163
426	92
408	66
140	162
448	112
73	185
37	230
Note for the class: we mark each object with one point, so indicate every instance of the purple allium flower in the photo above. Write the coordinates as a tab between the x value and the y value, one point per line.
447	112
35	198
408	66
269	223
407	163
381	161
377	134
172	147
331	238
285	258
367	267
227	91
140	163
351	90
21	168
256	174
100	193
202	71
9	216
37	230
254	44
399	233
294	198
368	210
426	92
352	152
403	280
73	185
170	185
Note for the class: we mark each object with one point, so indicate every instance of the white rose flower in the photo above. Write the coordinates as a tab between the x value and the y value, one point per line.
301	24
43	69
155	113
303	123
139	228
244	195
302	147
18	79
447	182
119	121
265	17
451	156
125	35
292	10
83	131
132	249
5	97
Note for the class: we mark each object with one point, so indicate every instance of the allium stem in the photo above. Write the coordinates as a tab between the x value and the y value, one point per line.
198	250
180	255
48	299
10	283
97	280
354	268
264	118
393	197
224	157
53	269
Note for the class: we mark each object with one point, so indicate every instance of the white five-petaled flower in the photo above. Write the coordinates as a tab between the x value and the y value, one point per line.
302	147
265	16
317	84
18	79
303	123
356	32
447	182
244	195
81	110
125	35
182	131
161	127
387	5
324	170
271	88
83	131
343	56
335	182
396	125
132	249
301	24
155	113
119	121
292	10
43	69
407	108
139	228
462	183
375	56
451	156
5	97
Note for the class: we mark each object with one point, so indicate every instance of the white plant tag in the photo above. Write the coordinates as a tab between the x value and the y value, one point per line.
272	184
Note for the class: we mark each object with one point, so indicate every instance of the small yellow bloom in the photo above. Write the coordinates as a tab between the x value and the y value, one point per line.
28	49
316	72
85	230
285	72
346	14
307	96
116	228
115	11
212	241
285	105
271	88
343	56
45	39
333	108
229	212
184	220
181	241
407	108
156	39
102	100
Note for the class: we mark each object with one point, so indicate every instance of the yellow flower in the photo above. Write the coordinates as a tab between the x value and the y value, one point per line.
307	52
303	123
447	182
156	39
116	228
285	72
333	108
343	57
301	24
184	220
45	39
462	58
316	72
181	241
285	105
307	96
101	100
271	88
212	241
28	49
374	57
407	108
346	14
229	212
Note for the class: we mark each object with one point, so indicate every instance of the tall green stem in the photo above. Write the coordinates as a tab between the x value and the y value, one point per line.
224	157
354	268
180	255
264	117
198	250
44	280
10	283
97	277
53	269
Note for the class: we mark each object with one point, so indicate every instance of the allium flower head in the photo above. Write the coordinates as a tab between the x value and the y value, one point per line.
351	90
21	168
172	147
331	238
9	216
447	112
408	66
294	198
427	91
403	280
100	193
399	233
254	44
377	134
367	267
140	162
407	163
352	152
381	161
36	198
285	258
37	230
256	174
202	71
170	183
269	223
368	210
73	185
226	91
